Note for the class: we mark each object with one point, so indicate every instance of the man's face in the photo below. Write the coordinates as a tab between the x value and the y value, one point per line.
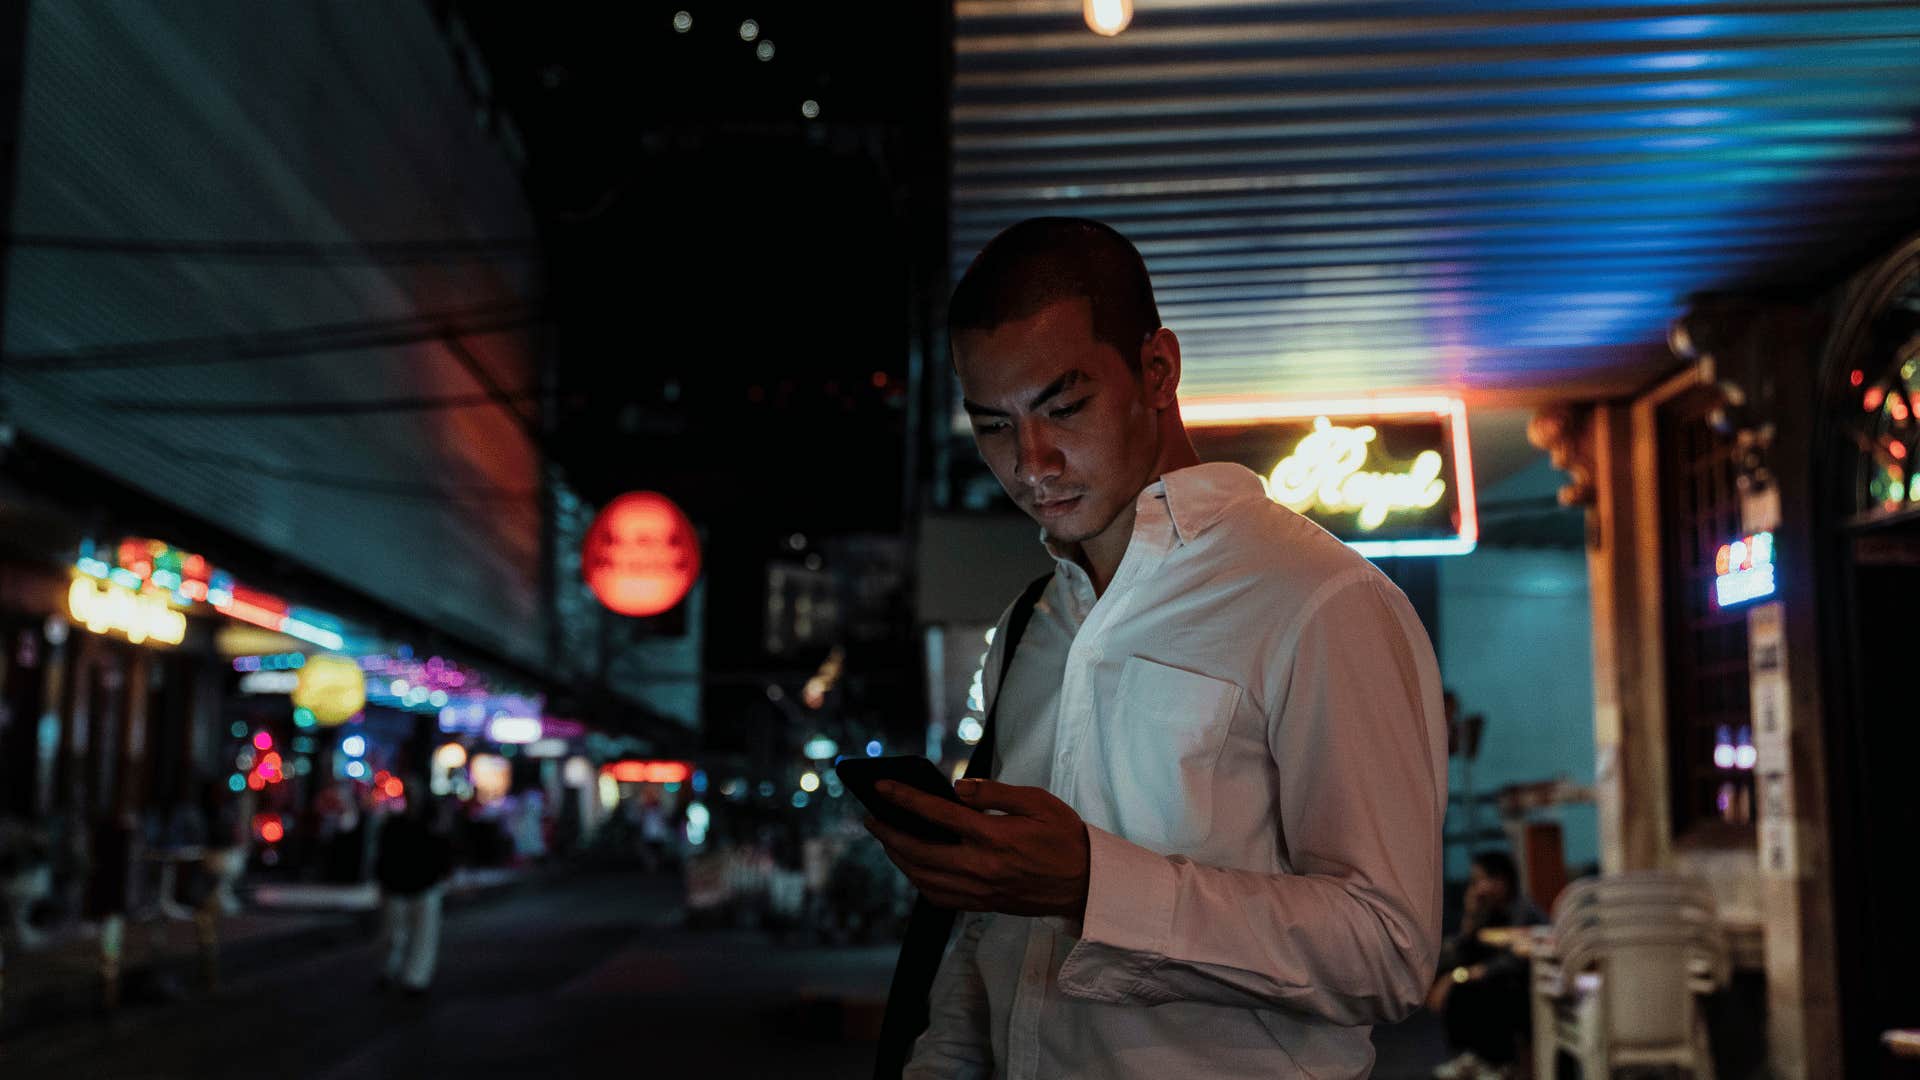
1492	890
1066	426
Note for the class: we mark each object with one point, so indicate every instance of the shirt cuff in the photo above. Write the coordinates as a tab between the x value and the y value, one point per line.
1129	918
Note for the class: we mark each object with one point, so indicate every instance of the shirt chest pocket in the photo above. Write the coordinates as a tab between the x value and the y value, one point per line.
1162	744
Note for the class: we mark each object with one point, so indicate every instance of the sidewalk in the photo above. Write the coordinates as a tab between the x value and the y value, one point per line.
161	960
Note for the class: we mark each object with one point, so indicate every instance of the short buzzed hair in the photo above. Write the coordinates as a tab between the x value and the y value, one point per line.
1044	260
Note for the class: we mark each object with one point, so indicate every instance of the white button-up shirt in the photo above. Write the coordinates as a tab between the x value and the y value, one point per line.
1249	720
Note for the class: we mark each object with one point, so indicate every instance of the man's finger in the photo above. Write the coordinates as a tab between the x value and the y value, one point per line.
922	853
1008	798
968	823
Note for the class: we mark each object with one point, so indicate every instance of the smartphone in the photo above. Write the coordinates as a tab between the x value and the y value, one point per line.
861	774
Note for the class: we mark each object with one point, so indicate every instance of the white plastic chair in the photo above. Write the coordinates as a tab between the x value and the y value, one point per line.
1635	953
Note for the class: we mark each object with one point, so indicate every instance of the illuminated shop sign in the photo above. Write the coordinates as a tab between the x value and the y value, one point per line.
649	772
641	554
515	730
1743	570
1388	476
103	606
182	579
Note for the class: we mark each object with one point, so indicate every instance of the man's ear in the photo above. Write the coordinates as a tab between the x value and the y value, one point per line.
1160	368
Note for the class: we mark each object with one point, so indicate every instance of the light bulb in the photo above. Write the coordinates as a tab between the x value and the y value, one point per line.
1108	17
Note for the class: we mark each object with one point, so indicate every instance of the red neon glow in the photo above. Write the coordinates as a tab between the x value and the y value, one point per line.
1898	450
260	609
641	556
262	741
1873	399
248	613
255	781
194	590
393	787
650	772
270	828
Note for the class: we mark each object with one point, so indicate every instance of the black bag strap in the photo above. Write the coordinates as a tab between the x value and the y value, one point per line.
929	927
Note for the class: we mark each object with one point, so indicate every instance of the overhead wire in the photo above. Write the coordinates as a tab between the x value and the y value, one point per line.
266	409
292	343
356	485
379	252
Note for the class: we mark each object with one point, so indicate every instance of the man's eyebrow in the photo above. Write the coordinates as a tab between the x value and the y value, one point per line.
1053	389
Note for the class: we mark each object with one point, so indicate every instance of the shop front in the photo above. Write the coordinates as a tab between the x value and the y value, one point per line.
1755	557
1866	438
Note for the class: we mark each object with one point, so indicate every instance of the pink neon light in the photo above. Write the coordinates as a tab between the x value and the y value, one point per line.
1463	470
1209	412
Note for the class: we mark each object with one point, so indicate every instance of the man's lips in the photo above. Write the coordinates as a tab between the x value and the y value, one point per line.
1056	506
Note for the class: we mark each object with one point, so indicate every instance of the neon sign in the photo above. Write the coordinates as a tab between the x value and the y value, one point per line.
1389	476
649	772
1326	470
641	555
514	729
151	567
1743	570
108	605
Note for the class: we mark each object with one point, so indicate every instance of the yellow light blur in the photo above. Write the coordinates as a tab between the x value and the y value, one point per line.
809	781
140	617
609	791
1108	17
450	757
332	687
492	777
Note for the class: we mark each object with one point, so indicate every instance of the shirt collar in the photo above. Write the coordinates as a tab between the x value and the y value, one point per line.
1198	496
1195	498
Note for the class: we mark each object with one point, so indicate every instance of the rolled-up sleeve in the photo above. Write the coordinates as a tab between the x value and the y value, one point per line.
1352	932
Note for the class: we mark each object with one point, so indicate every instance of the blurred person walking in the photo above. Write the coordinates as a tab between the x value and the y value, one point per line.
414	862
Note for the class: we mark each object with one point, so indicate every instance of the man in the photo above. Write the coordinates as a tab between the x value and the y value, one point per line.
1481	990
413	865
1212	847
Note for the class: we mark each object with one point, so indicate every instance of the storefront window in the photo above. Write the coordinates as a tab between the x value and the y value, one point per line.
1711	753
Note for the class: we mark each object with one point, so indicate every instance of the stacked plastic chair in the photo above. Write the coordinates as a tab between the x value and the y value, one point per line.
1636	952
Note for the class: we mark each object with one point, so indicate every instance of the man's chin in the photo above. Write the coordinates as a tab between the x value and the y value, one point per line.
1069	528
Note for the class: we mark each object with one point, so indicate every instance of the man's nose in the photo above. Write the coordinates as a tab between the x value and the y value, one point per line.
1039	460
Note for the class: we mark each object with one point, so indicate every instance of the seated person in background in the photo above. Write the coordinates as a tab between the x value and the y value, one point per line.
1481	990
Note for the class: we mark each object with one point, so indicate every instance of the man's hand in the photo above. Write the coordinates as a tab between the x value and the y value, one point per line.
1030	860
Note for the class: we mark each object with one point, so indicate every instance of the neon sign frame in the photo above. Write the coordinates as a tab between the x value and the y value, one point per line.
1231	412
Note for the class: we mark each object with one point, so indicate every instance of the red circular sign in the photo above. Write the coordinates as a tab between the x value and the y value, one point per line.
641	555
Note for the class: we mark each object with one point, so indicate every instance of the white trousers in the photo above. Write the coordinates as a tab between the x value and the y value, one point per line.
413	937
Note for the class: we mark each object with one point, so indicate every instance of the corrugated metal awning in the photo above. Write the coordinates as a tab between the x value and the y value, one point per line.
247	251
1490	196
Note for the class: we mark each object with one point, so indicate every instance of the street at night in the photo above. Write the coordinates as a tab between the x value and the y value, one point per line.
959	539
569	976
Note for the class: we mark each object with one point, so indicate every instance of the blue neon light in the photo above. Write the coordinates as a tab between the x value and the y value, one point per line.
1743	571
